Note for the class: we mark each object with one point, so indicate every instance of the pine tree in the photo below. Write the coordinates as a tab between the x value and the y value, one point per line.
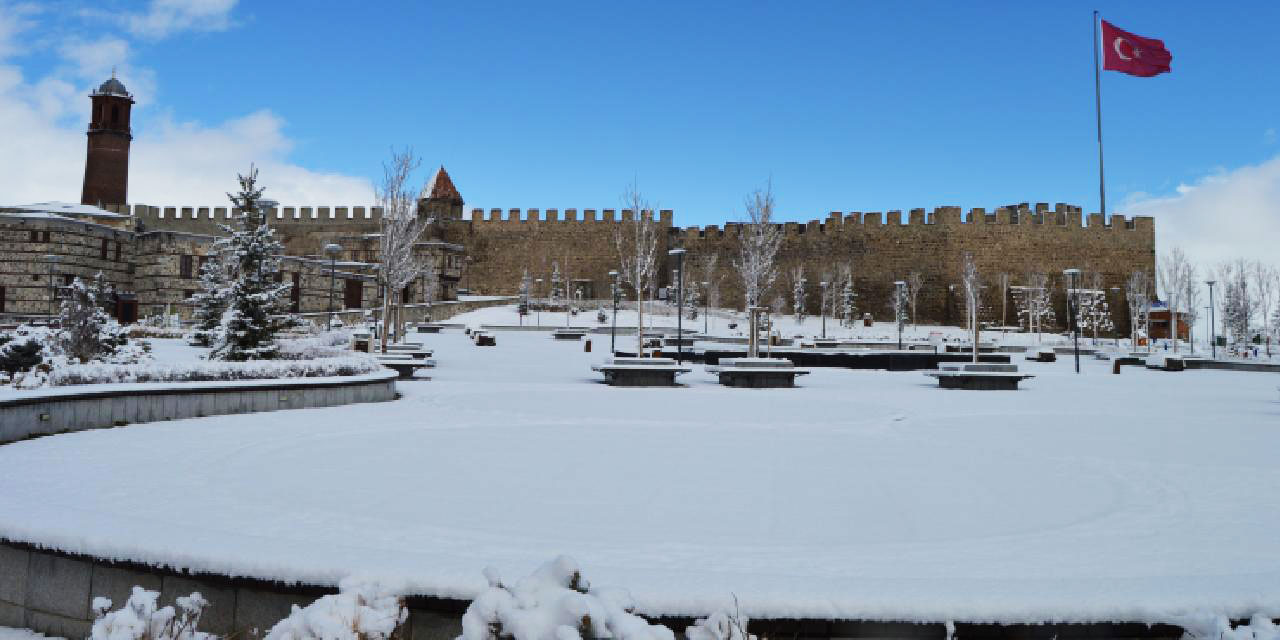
255	302
211	300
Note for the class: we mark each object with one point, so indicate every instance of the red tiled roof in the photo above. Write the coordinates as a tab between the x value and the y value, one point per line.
441	187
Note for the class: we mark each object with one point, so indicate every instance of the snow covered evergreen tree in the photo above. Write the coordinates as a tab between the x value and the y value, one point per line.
255	302
211	300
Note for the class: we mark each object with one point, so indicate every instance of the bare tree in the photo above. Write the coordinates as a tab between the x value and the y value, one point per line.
1265	280
637	244
401	230
711	280
914	281
1004	298
1035	301
797	293
1191	300
758	244
1137	292
1173	269
972	296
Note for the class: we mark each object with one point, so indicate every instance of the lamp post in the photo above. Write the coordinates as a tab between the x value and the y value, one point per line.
679	254
822	307
332	250
613	330
1213	335
52	259
1072	276
537	284
900	288
706	297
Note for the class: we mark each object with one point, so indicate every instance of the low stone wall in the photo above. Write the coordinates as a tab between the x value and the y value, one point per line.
91	406
51	592
1230	365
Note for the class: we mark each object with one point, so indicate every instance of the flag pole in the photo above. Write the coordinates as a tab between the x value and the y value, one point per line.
1097	102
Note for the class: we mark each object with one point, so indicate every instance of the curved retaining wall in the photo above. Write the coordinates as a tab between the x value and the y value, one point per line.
91	407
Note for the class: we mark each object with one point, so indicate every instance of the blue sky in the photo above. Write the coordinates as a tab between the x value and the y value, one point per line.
844	105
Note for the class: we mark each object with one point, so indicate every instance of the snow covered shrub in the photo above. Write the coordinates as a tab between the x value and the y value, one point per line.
87	332
720	625
329	344
1218	627
554	603
19	354
211	371
141	619
360	610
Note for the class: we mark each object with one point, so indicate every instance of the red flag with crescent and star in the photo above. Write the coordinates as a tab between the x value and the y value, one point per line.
1133	54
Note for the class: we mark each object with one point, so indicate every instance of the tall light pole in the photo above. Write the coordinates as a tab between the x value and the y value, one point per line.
332	250
52	259
1213	335
679	254
537	284
1072	276
613	330
706	297
899	290
822	307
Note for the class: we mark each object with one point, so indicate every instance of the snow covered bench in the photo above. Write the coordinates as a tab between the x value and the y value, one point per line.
484	339
1165	362
428	327
640	372
980	377
405	366
568	334
1043	354
757	373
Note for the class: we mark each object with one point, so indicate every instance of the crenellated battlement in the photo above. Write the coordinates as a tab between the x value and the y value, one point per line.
148	214
1023	214
535	215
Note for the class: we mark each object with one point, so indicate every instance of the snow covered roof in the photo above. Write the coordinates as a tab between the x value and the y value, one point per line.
112	87
440	187
63	208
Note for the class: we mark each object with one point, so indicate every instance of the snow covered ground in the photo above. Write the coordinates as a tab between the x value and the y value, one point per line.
10	633
861	494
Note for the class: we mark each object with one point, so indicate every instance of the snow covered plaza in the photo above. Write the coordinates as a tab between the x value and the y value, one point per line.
860	495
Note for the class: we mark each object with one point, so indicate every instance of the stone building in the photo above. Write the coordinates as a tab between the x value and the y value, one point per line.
153	253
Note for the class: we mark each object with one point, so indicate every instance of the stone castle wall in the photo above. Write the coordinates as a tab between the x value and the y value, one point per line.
501	244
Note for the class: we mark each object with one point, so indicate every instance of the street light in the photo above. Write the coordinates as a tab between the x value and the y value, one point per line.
1213	336
332	250
900	288
52	259
537	284
822	308
613	330
706	297
679	254
1072	275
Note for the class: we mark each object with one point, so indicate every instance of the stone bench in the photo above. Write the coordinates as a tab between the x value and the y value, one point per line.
980	377
428	328
405	367
640	372
1042	356
419	354
484	339
568	334
757	373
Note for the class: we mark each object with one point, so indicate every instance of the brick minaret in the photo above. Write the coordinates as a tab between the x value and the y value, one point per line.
106	165
440	199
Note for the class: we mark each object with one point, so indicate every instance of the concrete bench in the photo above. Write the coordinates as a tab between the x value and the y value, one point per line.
1044	355
428	328
640	372
980	377
419	354
757	373
406	367
568	334
484	339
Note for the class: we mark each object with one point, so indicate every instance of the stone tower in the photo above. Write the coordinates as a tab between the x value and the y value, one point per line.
106	165
440	199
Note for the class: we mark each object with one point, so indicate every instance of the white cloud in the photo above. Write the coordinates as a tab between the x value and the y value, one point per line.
1269	136
1225	215
174	162
166	17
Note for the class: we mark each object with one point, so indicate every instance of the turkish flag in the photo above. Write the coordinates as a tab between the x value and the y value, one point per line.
1132	54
